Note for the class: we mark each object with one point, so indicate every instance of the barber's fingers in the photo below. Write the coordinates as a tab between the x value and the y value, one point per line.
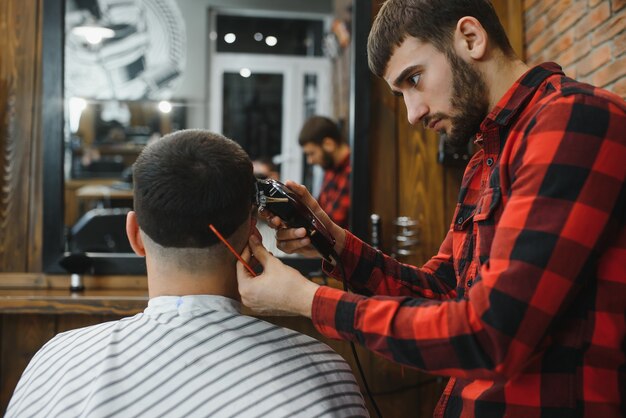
311	202
246	255
302	247
254	231
305	197
258	250
295	240
275	222
249	258
303	193
290	234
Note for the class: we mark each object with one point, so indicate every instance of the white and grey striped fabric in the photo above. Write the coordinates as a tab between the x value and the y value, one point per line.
190	356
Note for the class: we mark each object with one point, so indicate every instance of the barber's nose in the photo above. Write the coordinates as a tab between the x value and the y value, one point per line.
415	109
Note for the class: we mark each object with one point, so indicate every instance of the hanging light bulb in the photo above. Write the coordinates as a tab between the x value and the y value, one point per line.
93	34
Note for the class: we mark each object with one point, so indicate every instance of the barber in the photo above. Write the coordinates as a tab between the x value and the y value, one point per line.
524	304
324	145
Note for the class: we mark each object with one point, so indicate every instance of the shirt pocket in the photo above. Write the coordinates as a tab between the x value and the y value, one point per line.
487	204
488	209
462	241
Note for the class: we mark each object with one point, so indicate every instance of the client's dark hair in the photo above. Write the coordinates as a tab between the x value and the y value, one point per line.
187	180
316	128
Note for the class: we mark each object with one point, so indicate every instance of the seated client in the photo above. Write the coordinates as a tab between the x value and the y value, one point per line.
191	352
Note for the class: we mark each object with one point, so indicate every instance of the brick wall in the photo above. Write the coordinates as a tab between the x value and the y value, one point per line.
586	37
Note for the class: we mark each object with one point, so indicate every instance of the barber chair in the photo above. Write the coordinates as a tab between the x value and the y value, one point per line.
103	168
100	230
97	244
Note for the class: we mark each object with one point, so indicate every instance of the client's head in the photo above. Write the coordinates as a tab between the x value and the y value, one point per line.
182	183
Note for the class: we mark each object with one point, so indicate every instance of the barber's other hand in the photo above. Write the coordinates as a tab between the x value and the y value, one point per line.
295	240
279	288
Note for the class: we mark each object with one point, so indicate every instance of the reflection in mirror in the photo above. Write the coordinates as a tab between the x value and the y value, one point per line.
105	136
136	70
263	91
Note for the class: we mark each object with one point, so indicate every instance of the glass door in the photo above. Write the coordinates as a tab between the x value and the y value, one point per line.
267	75
261	102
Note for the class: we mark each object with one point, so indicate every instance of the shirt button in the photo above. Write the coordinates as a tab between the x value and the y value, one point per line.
459	220
470	282
489	162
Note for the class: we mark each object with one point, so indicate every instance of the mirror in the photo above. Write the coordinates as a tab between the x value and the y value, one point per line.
167	65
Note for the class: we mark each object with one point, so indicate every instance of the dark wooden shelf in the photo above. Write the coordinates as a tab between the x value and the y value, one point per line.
56	301
24	293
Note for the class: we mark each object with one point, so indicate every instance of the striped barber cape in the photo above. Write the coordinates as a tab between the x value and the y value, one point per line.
190	356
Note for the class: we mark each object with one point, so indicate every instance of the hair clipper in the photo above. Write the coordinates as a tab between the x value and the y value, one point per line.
282	202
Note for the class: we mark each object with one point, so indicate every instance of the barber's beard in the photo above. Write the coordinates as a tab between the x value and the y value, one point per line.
470	101
327	160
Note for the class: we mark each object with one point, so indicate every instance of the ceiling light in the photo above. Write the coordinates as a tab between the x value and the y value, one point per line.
165	106
271	40
230	37
258	36
245	72
93	34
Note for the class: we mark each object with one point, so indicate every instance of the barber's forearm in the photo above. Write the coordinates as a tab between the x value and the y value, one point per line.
301	301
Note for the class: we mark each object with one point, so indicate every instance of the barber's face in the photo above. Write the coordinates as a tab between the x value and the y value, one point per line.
443	92
316	155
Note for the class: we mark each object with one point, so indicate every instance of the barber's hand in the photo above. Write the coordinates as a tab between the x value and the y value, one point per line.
279	288
294	240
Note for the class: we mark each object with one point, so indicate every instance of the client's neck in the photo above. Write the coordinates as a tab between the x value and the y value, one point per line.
168	280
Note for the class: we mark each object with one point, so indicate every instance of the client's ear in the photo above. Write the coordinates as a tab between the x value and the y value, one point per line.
134	235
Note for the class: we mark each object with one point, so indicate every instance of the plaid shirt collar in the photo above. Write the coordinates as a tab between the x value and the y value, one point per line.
520	93
516	97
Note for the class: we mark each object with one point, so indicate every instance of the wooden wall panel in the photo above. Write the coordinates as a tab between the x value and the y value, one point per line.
511	13
384	159
19	73
421	191
22	336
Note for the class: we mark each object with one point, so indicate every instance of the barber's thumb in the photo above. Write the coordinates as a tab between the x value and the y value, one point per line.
258	250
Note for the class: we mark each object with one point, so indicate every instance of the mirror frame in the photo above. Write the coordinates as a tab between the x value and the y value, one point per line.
52	117
360	97
52	125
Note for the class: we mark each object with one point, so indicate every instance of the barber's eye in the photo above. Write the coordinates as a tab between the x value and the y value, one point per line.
415	79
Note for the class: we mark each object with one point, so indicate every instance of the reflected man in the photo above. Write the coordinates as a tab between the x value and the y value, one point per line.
324	145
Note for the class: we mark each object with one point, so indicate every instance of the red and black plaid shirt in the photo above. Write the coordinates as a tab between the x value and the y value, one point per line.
335	192
524	306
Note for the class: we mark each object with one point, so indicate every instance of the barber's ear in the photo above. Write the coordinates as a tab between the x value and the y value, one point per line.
470	39
134	235
328	144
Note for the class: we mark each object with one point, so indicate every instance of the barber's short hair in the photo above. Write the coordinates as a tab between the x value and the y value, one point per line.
431	21
316	128
187	180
